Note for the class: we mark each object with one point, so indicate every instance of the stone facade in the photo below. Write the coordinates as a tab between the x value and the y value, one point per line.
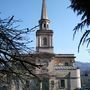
64	74
61	71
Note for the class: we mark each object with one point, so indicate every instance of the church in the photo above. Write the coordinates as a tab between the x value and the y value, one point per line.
58	71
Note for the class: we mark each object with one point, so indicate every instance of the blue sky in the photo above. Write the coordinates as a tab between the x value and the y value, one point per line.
62	19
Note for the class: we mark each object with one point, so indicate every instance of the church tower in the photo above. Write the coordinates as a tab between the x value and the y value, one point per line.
44	34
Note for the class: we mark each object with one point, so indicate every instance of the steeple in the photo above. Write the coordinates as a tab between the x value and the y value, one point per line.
44	11
44	41
44	21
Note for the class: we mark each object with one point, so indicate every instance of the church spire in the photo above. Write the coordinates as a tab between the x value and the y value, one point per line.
44	41
44	11
44	21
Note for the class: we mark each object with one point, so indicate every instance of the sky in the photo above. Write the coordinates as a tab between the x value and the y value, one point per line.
62	18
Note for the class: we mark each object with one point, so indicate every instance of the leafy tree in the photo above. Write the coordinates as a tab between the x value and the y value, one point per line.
82	7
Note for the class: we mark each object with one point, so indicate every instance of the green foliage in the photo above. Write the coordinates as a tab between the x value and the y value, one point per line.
82	7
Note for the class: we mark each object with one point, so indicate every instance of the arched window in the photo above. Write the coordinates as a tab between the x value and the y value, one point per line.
47	26
44	41
44	25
